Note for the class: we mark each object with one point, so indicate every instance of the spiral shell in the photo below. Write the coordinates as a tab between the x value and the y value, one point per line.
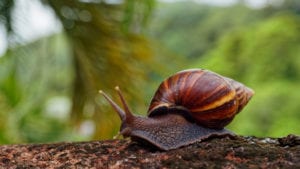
210	99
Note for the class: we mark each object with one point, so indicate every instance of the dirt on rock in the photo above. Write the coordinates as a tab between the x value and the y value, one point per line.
227	152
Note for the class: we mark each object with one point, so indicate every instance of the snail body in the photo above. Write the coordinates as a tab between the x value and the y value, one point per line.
187	107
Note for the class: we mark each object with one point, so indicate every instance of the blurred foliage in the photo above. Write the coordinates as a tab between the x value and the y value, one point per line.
102	46
193	32
192	29
102	50
104	40
6	7
265	56
260	48
27	84
49	88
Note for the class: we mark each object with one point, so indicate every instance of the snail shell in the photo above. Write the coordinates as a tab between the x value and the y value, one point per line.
211	100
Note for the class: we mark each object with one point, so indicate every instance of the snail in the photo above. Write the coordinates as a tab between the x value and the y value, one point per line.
189	106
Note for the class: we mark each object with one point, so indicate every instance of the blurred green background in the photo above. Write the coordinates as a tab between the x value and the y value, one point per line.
57	54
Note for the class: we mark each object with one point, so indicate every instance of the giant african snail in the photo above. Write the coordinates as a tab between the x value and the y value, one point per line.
187	107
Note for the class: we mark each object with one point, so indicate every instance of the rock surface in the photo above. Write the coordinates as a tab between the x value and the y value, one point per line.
235	152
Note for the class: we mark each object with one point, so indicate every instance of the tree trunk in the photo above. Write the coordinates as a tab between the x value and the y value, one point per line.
233	152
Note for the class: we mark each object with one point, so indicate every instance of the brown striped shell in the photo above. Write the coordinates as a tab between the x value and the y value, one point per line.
210	99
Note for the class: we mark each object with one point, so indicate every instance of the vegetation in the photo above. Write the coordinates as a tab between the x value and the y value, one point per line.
98	42
265	57
259	48
48	88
